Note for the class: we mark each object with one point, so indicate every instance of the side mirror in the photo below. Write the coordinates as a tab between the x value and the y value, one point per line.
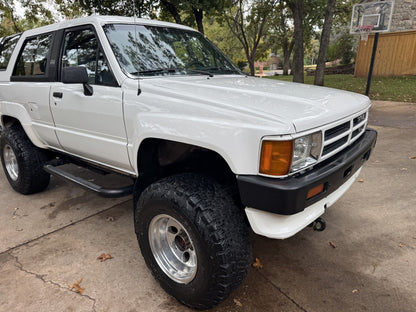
77	74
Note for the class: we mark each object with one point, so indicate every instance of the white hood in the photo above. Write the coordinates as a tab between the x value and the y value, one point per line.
301	105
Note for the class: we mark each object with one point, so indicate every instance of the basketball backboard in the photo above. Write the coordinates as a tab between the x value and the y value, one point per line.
371	17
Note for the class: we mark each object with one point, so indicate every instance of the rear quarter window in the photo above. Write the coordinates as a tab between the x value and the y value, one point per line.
6	51
33	59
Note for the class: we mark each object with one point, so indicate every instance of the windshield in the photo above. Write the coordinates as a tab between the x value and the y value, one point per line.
157	50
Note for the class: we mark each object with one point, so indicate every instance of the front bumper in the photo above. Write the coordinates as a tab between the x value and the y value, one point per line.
289	196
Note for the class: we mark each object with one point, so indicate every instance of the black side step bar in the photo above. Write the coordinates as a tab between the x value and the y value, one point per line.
109	193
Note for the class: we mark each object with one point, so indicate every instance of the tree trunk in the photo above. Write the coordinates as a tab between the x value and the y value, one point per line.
199	15
287	52
296	7
324	43
251	66
172	10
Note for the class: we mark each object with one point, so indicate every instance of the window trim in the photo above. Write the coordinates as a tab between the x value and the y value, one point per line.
48	76
3	41
100	46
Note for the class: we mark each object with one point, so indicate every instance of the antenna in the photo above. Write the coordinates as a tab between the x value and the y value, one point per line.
139	91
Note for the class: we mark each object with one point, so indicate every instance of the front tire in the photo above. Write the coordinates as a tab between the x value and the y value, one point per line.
22	161
194	239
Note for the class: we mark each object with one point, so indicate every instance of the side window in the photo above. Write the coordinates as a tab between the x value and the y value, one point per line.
81	48
7	50
34	56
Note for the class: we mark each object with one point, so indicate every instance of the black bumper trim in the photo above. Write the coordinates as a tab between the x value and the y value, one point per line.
289	195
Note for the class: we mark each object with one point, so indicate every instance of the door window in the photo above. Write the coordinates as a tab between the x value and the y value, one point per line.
81	48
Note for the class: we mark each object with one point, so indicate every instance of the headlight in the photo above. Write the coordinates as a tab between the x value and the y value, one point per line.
306	150
279	158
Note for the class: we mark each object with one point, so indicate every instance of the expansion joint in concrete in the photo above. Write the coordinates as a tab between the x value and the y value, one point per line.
19	265
282	292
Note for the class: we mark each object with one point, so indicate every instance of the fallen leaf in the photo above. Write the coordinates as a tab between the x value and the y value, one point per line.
104	257
414	157
354	291
400	245
238	303
257	264
111	219
332	244
77	287
403	169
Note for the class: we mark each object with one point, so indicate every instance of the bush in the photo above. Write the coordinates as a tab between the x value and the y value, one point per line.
343	49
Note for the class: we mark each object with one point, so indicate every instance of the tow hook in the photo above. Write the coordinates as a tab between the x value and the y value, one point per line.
318	225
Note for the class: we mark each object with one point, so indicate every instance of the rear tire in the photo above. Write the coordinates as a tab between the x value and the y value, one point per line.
194	239
22	161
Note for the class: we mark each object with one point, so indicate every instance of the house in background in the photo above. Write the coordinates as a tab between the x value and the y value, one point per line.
272	63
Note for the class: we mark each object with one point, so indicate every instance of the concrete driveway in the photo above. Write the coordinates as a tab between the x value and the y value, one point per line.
51	240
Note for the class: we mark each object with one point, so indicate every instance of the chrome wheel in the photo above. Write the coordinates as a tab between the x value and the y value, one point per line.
10	162
172	248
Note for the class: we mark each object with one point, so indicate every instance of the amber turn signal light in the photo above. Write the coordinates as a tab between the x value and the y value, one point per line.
276	157
315	191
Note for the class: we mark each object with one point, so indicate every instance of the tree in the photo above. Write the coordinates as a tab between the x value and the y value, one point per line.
342	47
324	43
225	40
249	24
9	22
281	34
69	8
192	12
139	8
296	6
35	13
171	7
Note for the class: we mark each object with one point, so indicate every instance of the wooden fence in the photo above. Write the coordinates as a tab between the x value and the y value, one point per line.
396	55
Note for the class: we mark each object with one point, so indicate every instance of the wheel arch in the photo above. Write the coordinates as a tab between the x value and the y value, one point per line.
8	121
158	158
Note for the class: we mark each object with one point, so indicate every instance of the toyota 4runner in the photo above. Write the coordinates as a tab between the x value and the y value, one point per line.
210	151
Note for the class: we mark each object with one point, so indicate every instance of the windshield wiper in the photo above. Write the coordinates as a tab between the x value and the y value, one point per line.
157	70
202	72
172	70
219	69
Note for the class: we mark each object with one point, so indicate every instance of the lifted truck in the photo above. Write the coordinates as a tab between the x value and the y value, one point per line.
211	152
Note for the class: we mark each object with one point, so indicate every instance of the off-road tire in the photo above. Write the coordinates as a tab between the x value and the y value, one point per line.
216	226
31	177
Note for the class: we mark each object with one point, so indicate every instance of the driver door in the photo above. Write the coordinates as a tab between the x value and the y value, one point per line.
91	127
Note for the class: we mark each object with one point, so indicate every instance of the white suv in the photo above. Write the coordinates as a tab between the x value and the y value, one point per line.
210	151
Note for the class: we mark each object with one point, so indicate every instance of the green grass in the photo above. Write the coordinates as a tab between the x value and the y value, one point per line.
400	89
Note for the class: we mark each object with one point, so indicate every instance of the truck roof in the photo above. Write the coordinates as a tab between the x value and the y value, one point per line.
102	20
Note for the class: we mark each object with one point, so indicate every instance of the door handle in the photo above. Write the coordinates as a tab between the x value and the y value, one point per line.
57	95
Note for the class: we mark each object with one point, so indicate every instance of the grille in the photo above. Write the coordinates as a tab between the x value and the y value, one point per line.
340	136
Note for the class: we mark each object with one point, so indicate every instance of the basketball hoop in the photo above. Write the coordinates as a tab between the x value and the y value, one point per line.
364	31
371	17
